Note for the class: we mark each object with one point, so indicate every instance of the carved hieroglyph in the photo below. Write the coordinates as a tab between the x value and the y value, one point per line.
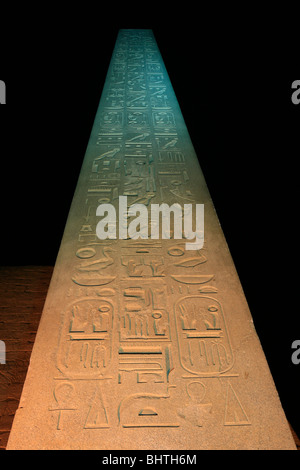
142	344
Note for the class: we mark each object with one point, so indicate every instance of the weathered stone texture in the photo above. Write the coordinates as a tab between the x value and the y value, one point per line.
143	344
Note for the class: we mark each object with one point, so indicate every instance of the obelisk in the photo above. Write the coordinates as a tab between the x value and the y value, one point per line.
143	343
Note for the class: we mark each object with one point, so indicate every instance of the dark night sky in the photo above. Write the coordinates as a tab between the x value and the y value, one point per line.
234	91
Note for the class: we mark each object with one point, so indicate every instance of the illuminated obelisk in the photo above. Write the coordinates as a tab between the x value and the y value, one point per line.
144	344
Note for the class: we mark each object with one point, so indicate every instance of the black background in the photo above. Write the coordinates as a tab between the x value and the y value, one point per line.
233	84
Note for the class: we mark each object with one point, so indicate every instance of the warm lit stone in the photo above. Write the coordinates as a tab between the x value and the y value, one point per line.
144	344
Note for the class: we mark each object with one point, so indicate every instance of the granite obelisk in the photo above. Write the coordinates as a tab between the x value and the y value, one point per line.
142	343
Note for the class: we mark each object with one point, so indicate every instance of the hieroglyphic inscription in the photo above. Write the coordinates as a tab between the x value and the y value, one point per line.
162	309
144	342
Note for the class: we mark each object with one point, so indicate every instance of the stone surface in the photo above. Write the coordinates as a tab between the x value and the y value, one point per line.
143	344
